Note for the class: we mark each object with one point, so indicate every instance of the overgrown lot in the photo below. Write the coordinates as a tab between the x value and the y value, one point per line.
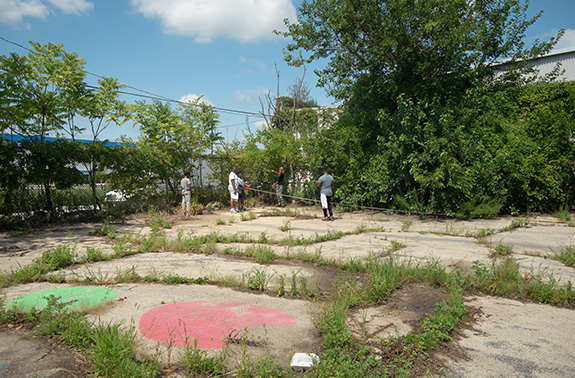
340	289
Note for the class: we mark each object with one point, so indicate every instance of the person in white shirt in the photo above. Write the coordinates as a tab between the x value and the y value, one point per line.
233	188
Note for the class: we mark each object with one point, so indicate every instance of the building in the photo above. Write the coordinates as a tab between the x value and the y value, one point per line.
546	64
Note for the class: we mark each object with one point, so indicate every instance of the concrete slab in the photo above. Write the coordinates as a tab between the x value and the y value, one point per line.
213	267
540	239
515	339
134	300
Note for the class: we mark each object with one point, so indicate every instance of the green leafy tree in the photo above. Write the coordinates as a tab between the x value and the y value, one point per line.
171	141
201	121
52	163
160	128
133	171
39	92
10	175
103	108
37	88
411	75
400	47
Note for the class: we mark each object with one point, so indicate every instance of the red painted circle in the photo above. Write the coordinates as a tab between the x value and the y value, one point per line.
179	324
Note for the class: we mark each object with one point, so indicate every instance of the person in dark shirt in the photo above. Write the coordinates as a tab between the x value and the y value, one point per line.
280	186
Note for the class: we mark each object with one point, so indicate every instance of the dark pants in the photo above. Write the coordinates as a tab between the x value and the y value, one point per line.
328	209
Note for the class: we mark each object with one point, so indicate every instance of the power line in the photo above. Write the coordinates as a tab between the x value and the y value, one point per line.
150	95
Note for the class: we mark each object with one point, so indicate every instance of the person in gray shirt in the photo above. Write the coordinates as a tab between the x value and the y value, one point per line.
326	183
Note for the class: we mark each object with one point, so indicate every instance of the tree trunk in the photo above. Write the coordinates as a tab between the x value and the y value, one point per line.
95	199
49	204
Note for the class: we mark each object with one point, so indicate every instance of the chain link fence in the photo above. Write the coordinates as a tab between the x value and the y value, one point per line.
30	199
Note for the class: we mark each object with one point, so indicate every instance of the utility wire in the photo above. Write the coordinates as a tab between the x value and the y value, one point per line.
147	94
396	211
354	206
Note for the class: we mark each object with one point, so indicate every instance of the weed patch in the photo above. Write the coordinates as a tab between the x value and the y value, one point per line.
566	255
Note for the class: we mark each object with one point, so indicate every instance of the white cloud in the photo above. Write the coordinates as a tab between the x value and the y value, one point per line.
206	20
261	125
250	94
73	6
254	62
567	42
193	97
13	12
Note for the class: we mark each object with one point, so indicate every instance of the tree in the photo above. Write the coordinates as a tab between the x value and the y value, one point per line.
10	174
52	162
102	108
173	139
37	88
201	121
410	74
406	47
38	92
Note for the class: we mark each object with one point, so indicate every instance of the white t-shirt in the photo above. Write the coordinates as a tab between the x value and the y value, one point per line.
234	177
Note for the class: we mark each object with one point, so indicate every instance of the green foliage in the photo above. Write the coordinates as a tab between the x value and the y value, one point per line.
106	229
6	315
562	215
196	361
114	353
250	215
44	92
155	221
268	149
170	141
38	88
479	157
437	328
58	322
504	278
396	47
10	172
503	250
39	92
285	226
94	255
566	255
263	254
256	279
60	257
265	366
425	125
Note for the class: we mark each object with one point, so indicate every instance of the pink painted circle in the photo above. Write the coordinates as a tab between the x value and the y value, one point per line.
180	324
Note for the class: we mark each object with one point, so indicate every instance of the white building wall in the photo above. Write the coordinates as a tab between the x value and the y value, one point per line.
547	63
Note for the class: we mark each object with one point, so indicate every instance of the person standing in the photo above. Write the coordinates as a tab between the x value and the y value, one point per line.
280	186
233	188
186	188
326	183
241	192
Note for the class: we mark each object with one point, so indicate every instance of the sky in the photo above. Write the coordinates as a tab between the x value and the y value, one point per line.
223	50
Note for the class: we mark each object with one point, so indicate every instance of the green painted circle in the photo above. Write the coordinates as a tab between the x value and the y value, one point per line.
75	298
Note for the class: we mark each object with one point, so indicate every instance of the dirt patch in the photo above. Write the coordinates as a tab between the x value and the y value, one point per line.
402	313
322	279
22	355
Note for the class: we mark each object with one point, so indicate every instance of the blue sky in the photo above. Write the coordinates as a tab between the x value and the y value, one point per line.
222	49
